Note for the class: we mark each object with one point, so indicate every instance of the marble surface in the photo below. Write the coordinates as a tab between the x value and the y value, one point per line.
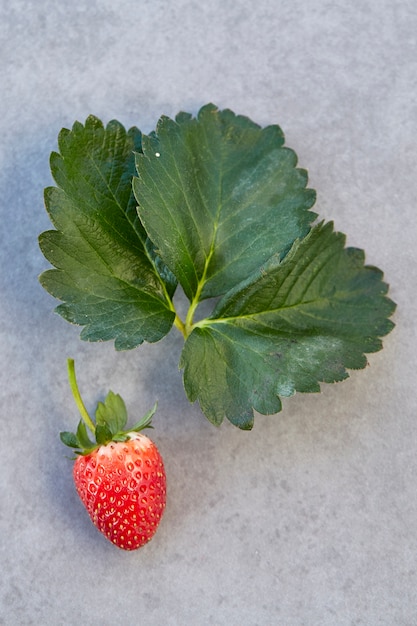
310	519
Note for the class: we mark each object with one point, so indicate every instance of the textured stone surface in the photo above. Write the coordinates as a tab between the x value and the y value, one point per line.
311	518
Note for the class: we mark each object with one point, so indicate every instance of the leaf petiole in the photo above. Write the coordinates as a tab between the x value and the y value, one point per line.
179	324
77	396
189	320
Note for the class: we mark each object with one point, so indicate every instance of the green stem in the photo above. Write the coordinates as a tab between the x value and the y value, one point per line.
178	323
189	320
77	396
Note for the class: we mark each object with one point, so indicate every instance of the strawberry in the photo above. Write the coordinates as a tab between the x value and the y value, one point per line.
120	478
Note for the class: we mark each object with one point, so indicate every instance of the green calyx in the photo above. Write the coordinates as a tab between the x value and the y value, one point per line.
109	424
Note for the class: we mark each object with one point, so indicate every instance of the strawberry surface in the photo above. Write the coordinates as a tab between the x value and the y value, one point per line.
123	487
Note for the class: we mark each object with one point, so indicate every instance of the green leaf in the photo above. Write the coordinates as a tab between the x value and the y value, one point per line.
146	420
83	438
112	413
224	211
292	324
218	195
69	439
103	434
107	273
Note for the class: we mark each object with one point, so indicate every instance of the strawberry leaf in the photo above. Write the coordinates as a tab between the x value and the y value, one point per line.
225	212
107	272
291	325
218	195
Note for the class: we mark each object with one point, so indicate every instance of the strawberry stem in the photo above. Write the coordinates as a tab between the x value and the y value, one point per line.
77	396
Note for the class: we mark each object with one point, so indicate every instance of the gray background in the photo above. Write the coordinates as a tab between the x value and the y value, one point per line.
311	518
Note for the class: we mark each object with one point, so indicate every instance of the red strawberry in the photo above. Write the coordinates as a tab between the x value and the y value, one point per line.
120	478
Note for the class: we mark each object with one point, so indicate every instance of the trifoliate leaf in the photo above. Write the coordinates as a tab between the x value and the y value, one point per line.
107	273
225	211
294	323
218	195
